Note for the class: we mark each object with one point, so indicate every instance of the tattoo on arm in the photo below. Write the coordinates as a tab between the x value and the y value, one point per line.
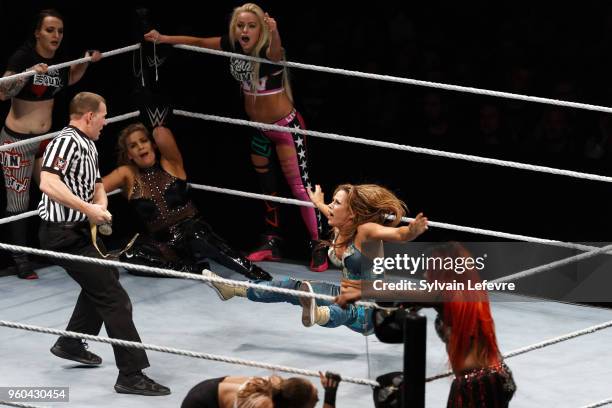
12	88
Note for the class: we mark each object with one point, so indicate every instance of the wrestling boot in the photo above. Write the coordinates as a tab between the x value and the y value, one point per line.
23	268
223	290
269	250
212	246
311	313
75	350
318	258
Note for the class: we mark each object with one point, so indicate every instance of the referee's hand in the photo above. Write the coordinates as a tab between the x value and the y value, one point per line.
98	215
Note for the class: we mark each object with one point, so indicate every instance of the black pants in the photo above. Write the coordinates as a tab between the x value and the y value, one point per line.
186	247
102	298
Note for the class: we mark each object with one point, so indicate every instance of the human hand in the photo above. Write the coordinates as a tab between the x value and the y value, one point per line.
330	382
419	225
98	214
94	54
270	22
153	36
350	292
39	68
316	196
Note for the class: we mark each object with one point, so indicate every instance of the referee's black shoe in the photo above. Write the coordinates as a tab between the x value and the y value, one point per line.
138	383
75	350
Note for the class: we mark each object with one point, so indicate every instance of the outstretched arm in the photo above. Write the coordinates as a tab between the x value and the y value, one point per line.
116	179
352	291
170	153
208	42
408	232
330	382
275	49
318	199
77	71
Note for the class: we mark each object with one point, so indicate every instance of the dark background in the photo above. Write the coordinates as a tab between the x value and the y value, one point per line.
543	49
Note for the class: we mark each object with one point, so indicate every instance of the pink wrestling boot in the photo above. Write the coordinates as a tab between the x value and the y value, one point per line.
269	250
318	258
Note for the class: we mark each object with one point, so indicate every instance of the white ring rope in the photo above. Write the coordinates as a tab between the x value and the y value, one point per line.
442	225
46	136
187	353
106	54
553	265
389	78
599	404
272	289
19	404
540	345
396	146
175	274
32	213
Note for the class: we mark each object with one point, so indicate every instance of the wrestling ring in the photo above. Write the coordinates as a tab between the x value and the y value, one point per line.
557	351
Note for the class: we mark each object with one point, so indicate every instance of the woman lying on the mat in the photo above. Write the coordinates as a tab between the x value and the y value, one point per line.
465	324
261	392
358	214
156	187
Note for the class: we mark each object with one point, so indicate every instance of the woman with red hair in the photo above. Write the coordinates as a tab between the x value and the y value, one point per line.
465	324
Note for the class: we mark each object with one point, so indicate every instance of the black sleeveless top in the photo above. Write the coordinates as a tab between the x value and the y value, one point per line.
160	199
204	395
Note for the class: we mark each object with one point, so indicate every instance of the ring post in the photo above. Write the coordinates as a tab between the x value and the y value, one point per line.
413	386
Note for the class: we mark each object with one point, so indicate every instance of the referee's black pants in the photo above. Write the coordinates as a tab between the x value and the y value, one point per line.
102	298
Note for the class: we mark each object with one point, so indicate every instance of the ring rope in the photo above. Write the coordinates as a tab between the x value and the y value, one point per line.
280	290
599	404
540	345
397	146
106	54
401	80
167	272
175	274
19	404
46	136
32	213
297	293
443	225
437	224
553	265
187	353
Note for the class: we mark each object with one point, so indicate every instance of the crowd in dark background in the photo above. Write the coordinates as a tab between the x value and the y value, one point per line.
542	49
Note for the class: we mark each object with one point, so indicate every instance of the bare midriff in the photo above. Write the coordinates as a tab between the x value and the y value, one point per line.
267	108
30	116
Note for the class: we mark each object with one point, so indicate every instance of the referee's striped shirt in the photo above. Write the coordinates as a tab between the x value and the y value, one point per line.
74	157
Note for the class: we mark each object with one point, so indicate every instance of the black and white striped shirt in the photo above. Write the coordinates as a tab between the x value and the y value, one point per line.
74	157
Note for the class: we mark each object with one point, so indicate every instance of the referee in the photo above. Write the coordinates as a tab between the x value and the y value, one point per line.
73	196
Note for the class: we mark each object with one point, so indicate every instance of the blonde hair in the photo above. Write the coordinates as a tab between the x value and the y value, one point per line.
276	392
84	102
122	149
369	203
262	41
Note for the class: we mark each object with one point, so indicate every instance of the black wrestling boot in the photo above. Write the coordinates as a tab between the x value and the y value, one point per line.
209	245
257	274
23	267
